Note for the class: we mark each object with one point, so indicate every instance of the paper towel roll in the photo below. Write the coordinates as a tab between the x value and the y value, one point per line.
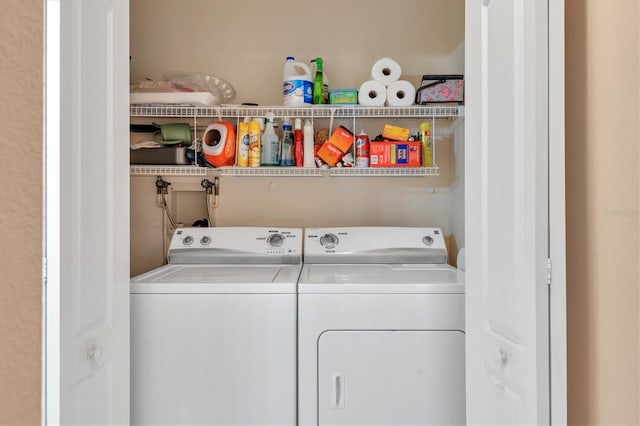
386	71
372	93
401	93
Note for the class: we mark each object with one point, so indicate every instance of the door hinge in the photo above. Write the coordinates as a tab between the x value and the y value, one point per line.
45	271
549	276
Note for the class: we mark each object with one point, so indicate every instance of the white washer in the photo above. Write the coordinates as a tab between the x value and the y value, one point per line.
213	333
380	329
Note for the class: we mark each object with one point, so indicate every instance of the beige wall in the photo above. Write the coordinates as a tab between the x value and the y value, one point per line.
603	139
20	210
246	43
226	48
602	210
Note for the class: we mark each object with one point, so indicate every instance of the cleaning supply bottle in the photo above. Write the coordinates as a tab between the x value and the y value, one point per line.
318	83
297	142
269	152
426	144
243	143
307	154
325	78
254	143
362	149
286	147
296	83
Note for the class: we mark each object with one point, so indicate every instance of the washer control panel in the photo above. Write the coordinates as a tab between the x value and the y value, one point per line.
371	244
249	242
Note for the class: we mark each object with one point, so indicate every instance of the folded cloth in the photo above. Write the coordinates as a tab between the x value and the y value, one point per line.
146	144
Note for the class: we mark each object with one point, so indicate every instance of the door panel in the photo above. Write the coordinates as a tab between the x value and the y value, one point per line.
213	359
391	378
506	127
87	213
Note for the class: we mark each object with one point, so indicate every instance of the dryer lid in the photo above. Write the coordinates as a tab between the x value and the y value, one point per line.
380	279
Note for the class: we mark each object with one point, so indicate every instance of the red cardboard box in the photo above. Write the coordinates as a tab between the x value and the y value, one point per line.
395	154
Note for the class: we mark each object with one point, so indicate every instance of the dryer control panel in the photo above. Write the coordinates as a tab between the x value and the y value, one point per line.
236	245
374	244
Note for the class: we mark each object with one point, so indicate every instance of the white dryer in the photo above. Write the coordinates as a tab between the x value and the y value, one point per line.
213	333
380	329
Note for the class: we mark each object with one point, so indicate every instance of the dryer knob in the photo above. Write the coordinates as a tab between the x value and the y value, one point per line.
428	240
205	241
329	240
275	240
188	240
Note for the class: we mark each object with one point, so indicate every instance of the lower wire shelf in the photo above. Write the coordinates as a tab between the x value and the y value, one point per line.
140	169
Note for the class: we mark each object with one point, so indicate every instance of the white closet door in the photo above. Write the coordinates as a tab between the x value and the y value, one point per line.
507	212
87	213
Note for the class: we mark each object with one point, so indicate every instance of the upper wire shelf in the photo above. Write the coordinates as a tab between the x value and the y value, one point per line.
315	111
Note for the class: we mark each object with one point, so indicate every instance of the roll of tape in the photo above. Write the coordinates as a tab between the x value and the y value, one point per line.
372	93
386	71
401	93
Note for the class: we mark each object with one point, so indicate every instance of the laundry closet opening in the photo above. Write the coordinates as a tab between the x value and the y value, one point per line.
512	184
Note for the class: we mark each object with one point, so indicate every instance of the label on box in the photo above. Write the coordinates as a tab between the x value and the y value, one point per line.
395	154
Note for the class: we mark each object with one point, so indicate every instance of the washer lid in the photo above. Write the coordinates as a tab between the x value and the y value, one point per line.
381	278
218	279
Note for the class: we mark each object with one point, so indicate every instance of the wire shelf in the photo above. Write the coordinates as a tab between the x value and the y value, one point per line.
384	172
316	111
139	169
281	171
268	171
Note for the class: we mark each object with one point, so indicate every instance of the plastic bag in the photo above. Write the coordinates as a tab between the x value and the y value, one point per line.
201	82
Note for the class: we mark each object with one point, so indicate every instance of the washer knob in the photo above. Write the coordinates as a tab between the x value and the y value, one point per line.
205	241
329	240
188	240
428	240
275	240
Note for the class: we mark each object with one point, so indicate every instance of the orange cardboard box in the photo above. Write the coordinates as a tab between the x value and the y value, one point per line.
330	154
342	139
394	154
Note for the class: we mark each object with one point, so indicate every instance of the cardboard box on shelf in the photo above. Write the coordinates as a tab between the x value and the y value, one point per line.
395	154
395	133
336	146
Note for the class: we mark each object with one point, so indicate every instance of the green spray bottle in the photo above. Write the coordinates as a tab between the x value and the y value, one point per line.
320	89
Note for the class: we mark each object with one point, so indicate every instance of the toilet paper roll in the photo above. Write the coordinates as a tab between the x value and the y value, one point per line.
372	93
386	71
401	93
